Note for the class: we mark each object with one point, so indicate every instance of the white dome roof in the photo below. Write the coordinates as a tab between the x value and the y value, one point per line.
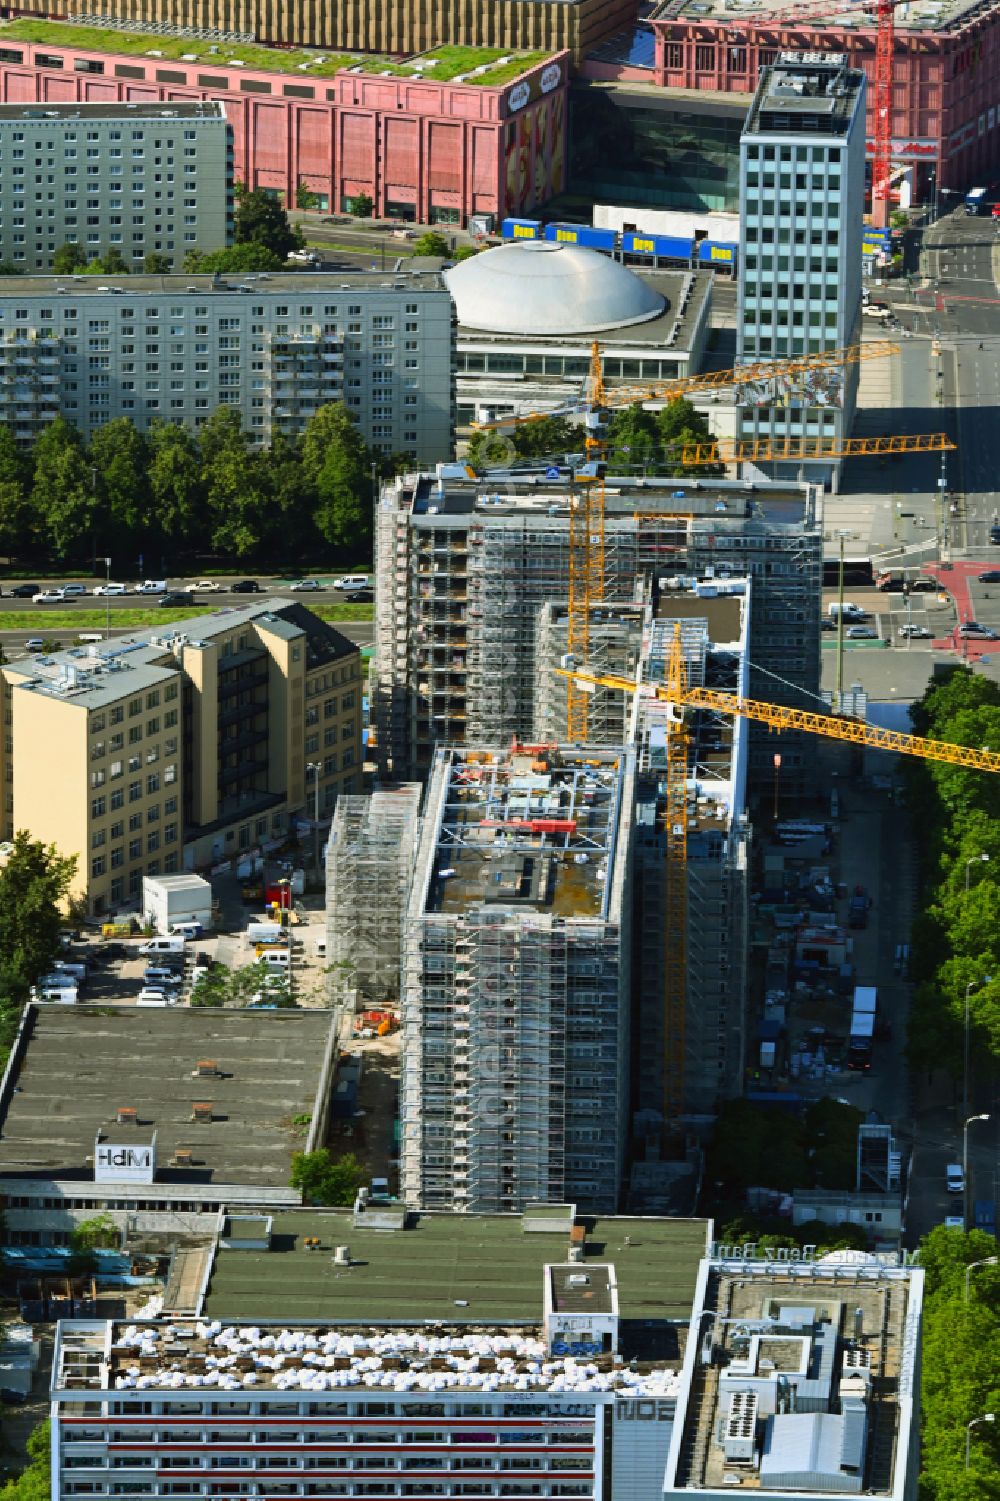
539	287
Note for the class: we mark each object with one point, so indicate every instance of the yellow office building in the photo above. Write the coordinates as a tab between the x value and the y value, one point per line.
182	747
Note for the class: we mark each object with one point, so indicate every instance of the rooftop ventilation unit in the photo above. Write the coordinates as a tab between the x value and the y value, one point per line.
127	1115
183	1157
201	1111
741	1428
207	1069
342	1256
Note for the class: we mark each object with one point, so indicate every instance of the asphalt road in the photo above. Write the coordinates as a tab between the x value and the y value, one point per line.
210	599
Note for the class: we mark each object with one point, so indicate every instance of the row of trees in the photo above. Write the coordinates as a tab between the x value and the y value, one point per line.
173	492
638	441
956	939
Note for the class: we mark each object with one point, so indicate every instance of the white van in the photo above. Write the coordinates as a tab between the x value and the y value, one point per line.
158	974
62	995
77	971
186	930
266	932
849	611
278	959
173	945
354	581
152	586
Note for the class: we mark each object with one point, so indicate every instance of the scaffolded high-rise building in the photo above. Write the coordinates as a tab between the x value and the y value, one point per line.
516	982
465	567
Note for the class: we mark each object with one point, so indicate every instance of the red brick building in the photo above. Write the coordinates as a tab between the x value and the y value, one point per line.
946	76
423	150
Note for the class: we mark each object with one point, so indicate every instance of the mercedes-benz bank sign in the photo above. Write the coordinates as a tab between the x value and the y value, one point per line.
117	1162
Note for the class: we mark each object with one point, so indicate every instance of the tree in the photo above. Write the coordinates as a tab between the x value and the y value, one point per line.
336	465
17	520
69	259
679	422
120	455
323	1180
305	198
432	243
633	438
465	252
174	479
9	268
62	491
254	984
156	264
34	886
361	206
35	1482
250	256
261	220
99	1231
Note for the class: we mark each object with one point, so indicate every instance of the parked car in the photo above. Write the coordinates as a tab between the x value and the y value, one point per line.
74	591
304	257
991	576
49	597
246	586
971	631
861	633
915	632
34	643
924	586
24	591
353	581
954	1178
173	599
306	586
110	589
204	586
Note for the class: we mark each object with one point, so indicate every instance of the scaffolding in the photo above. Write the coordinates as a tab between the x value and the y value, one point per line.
615	638
516	982
369	868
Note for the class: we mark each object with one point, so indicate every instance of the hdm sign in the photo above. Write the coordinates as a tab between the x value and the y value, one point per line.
118	1162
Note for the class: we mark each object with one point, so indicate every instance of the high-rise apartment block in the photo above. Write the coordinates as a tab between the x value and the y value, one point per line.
139	179
179	748
464	568
802	188
516	981
276	348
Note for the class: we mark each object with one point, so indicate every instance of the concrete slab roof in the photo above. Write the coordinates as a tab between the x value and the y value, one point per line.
485	1268
82	1064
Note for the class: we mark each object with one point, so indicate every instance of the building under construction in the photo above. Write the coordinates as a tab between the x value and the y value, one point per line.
516	981
464	567
369	866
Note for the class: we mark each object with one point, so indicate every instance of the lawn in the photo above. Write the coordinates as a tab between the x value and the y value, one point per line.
449	61
43	621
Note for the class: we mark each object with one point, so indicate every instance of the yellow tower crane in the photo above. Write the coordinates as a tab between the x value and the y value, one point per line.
680	696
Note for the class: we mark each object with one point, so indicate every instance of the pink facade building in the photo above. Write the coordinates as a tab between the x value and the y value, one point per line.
433	152
946	74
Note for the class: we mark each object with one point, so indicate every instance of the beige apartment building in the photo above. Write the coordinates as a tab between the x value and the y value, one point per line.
182	747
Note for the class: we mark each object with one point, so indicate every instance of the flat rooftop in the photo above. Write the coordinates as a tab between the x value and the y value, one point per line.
454	1267
59	114
814	92
83	1064
582	1289
924	15
261	284
440	64
528	831
266	1357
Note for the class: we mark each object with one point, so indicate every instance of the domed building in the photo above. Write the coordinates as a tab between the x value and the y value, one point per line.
529	312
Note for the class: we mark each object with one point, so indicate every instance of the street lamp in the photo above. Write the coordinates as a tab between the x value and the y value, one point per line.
968	866
315	767
987	1417
986	1261
965	1166
107	599
965	1071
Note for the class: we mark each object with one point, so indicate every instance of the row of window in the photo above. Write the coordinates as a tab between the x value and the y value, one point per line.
180	310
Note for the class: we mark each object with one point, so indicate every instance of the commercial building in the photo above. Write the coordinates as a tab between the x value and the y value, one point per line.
516	982
799	1380
180	748
400	28
529	311
157	1118
276	348
550	1369
465	565
139	179
945	114
434	140
802	175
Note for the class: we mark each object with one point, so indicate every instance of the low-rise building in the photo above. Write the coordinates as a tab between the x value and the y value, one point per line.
181	747
139	179
275	348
